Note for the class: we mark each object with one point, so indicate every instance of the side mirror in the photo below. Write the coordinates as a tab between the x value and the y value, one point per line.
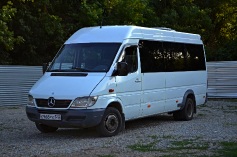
44	67
122	69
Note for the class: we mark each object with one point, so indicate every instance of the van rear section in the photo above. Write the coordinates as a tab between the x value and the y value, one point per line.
104	76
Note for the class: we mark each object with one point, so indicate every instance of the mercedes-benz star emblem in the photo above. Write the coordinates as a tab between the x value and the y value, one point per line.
51	102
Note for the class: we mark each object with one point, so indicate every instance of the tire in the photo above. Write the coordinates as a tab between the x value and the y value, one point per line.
111	123
45	128
187	112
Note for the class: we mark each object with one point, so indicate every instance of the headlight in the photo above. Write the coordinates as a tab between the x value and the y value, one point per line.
30	100
84	101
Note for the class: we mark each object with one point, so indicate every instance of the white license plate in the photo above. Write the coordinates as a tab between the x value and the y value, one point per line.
50	116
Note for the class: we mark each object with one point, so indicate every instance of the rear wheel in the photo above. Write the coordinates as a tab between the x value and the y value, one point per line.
111	123
45	128
187	112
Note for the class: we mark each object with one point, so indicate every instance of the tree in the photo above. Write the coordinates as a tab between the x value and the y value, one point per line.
41	30
183	15
31	32
7	38
223	14
116	12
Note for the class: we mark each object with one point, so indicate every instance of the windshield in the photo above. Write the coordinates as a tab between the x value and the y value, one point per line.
85	57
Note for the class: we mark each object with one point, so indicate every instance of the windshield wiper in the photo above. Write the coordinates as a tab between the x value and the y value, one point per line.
81	69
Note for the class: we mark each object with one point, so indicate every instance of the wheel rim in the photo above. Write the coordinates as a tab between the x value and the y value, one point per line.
190	109
111	123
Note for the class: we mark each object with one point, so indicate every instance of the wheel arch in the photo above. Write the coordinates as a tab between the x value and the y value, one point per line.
116	105
119	107
188	94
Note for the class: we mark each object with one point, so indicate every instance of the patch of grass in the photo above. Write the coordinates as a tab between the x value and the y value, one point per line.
13	107
153	137
105	155
229	149
4	128
230	111
144	147
232	107
189	144
230	124
167	137
181	144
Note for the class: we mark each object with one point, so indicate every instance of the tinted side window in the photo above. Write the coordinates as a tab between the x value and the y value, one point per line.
130	57
152	56
157	56
175	56
183	57
195	57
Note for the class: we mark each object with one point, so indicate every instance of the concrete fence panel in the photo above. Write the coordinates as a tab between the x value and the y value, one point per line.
16	81
222	79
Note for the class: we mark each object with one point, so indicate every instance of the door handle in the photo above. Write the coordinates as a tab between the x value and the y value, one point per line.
137	81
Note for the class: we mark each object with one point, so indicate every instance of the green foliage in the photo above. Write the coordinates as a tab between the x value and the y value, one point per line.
41	30
224	30
31	32
7	38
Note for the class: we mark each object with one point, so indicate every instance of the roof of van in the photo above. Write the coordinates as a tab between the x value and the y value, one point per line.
117	34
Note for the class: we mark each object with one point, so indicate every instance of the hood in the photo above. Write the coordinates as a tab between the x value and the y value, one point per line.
64	86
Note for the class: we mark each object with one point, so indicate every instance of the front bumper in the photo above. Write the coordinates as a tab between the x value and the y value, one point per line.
83	118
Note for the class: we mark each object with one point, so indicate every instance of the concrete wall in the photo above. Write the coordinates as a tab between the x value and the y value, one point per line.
16	81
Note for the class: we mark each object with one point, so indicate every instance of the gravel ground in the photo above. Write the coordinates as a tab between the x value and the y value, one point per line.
214	125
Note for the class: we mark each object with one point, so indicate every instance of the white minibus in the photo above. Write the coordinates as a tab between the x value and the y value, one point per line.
104	76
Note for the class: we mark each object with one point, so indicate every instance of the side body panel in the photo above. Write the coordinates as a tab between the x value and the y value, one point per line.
153	87
177	83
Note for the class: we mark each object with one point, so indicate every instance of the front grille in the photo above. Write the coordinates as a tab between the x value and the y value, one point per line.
58	103
52	111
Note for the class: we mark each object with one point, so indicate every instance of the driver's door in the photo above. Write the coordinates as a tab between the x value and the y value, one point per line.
129	87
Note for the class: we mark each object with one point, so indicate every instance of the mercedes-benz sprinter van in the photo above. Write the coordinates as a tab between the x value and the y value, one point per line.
104	76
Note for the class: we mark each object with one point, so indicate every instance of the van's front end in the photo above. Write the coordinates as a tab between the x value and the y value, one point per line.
73	90
79	87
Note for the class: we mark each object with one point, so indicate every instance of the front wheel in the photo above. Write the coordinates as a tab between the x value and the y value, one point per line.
187	112
45	128
111	123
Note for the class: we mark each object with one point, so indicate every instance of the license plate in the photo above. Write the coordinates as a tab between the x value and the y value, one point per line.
50	116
